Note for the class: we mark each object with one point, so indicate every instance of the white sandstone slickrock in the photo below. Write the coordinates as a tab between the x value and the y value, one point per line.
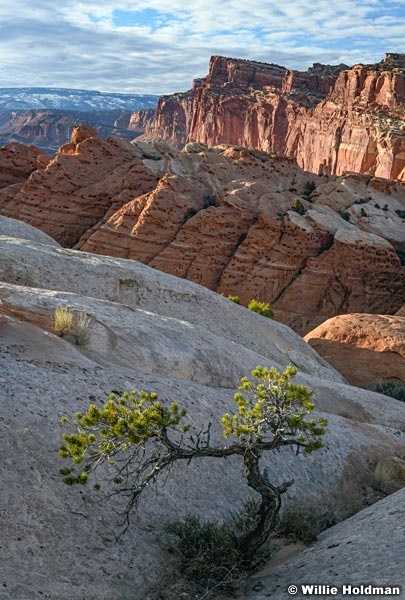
147	330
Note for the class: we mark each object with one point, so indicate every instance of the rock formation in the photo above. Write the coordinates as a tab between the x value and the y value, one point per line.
148	330
234	220
330	119
354	553
365	348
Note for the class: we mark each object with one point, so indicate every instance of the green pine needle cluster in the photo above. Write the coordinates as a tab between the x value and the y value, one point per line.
123	422
271	409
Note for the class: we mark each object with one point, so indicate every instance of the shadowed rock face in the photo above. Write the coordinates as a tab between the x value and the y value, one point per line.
224	218
364	348
147	330
330	119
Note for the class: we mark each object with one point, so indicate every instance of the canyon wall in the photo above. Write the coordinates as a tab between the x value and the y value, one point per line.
331	119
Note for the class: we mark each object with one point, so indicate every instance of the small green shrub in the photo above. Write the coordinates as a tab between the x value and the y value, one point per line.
400	213
394	389
345	215
261	308
235	299
309	188
209	555
297	206
385	207
363	212
63	321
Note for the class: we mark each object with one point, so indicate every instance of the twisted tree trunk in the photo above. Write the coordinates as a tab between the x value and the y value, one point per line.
269	507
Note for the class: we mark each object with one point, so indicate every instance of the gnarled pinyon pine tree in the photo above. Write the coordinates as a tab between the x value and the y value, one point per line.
140	438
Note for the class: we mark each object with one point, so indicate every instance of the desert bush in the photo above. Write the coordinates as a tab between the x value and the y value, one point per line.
309	188
235	299
67	322
261	308
81	329
304	524
63	321
345	215
208	551
297	206
395	389
400	213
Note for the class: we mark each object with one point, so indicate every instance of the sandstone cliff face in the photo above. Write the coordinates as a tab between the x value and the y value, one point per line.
224	218
331	120
365	348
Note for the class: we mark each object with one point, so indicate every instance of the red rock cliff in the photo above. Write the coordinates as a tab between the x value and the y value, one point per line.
330	119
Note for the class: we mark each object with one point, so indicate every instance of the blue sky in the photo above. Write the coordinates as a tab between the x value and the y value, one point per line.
159	46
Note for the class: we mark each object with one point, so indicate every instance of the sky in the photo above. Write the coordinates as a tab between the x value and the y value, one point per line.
160	46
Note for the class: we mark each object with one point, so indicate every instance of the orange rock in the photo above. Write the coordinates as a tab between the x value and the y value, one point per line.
364	348
223	218
331	119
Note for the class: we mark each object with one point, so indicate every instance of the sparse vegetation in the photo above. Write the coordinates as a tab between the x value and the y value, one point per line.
297	206
395	389
261	308
81	329
138	438
385	207
235	299
208	553
209	201
400	213
304	524
345	215
66	322
63	321
363	212
309	188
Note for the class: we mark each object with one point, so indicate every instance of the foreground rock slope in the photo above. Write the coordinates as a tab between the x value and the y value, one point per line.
330	119
147	330
348	554
234	220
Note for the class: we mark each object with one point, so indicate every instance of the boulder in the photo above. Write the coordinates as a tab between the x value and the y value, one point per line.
365	348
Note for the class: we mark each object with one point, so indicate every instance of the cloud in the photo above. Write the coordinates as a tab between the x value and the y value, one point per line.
147	47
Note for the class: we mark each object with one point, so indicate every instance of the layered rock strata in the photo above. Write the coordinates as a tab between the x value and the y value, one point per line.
234	220
330	119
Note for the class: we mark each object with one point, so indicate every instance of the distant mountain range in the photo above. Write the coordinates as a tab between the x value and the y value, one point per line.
26	98
46	116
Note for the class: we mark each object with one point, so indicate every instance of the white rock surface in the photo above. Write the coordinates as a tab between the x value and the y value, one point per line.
150	331
367	549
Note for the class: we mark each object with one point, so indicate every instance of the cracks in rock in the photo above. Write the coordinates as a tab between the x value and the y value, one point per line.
325	247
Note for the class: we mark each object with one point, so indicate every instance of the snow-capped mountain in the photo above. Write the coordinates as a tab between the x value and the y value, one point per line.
27	98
